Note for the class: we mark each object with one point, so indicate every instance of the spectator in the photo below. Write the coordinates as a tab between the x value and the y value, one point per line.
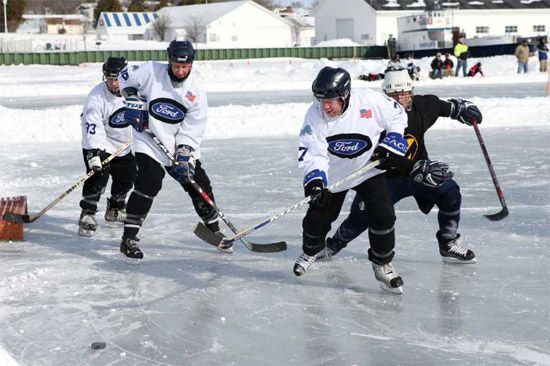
413	70
448	65
461	53
522	54
437	67
394	63
475	70
543	55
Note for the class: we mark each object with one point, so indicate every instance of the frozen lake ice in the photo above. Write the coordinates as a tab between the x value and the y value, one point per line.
188	304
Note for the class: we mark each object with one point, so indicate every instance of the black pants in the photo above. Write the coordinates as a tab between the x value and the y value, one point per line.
149	182
122	170
380	216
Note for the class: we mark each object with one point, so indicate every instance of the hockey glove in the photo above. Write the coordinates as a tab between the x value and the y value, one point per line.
314	186
465	111
136	112
431	173
93	158
184	170
391	151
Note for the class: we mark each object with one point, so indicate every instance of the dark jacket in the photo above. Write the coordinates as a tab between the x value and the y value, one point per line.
437	64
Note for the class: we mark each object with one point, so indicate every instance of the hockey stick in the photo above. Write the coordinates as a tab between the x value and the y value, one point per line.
270	219
254	247
82	179
504	212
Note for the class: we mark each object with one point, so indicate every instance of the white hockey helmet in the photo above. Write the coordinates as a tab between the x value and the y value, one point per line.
397	81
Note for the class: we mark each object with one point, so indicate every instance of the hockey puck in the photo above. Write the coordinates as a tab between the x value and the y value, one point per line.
98	345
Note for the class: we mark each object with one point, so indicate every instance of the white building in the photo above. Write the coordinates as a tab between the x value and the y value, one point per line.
125	26
372	22
233	24
52	24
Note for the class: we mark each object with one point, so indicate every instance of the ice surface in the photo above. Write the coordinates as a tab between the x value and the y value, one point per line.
188	304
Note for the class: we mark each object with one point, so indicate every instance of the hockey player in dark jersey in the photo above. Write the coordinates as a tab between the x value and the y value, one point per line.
104	130
429	182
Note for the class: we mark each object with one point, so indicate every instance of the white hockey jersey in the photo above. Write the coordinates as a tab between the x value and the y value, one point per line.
102	121
177	114
341	145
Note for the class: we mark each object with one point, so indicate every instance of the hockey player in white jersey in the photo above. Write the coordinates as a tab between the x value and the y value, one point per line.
104	130
167	100
339	135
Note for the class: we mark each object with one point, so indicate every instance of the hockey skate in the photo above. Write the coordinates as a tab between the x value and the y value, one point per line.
87	224
389	279
114	215
302	263
452	252
330	250
131	251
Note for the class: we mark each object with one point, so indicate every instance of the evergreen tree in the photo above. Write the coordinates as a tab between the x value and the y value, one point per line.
15	10
136	5
106	5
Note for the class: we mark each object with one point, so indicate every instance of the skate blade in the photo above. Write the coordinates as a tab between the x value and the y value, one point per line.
114	223
133	261
85	233
393	290
453	260
226	250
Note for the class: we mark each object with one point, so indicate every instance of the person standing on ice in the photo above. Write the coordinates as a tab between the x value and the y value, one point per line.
104	131
167	100
429	182
341	130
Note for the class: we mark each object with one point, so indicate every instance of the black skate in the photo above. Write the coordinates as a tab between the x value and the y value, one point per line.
115	212
452	252
87	224
388	278
302	263
129	248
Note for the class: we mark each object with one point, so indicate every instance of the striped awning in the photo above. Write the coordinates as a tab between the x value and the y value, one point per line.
127	20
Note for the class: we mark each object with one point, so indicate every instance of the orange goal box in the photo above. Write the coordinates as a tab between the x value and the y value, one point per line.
11	228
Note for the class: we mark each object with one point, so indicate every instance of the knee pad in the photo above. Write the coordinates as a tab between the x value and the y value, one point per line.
450	200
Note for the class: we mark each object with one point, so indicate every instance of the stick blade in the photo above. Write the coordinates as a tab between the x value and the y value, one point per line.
202	232
498	216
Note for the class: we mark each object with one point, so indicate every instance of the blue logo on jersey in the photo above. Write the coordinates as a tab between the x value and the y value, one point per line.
167	110
348	145
117	119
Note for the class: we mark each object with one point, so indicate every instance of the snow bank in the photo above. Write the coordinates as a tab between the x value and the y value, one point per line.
63	124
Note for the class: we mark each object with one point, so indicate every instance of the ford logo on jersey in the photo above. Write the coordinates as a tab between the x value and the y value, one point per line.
167	110
117	119
348	145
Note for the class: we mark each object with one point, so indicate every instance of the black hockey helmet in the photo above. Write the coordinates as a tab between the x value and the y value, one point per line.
181	51
332	83
113	66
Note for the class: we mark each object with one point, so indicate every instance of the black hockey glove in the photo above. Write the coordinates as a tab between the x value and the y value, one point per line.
94	158
465	111
321	196
431	173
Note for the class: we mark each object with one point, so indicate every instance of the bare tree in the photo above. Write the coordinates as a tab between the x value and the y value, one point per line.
160	25
194	29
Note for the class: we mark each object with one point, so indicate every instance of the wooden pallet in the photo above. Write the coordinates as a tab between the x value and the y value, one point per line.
10	229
